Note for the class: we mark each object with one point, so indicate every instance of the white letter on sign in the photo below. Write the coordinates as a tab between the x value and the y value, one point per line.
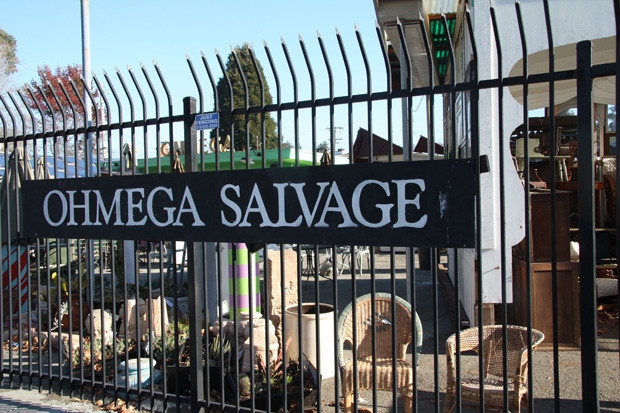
309	216
187	198
403	202
169	210
385	208
334	192
114	207
46	210
73	206
282	208
260	208
131	205
231	204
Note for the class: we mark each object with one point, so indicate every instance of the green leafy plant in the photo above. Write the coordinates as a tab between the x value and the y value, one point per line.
278	379
63	310
218	346
275	375
173	347
93	351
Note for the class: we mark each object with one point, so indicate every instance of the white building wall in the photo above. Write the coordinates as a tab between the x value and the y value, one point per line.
572	21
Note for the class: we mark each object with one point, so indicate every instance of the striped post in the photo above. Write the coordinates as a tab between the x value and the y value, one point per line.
245	279
17	261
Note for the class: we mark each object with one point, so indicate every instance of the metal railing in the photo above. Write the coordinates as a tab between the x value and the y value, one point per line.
161	323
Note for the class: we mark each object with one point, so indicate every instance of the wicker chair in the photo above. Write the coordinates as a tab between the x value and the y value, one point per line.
383	359
517	359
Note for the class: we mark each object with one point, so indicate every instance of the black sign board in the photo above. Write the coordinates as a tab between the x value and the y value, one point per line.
421	203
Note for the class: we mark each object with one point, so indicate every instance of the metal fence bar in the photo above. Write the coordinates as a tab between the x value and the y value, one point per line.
194	272
617	158
502	150
587	259
58	136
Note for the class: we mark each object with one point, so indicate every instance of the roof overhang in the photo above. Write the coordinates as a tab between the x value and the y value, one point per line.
389	12
408	13
565	58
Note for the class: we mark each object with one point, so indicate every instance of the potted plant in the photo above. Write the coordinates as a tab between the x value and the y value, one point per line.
169	351
216	348
270	385
219	356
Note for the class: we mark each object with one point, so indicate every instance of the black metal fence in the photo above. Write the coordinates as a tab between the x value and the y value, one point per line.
162	323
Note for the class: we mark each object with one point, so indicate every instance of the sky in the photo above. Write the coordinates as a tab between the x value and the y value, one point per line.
131	33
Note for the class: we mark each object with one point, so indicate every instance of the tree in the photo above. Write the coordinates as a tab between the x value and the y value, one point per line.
47	94
324	146
47	90
254	91
8	58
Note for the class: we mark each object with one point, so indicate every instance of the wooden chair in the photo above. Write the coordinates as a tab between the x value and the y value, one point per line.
383	325
516	357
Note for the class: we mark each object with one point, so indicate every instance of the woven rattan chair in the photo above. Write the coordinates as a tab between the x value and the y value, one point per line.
401	323
517	359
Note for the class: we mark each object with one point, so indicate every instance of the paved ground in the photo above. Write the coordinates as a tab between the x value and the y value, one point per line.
431	370
17	400
429	376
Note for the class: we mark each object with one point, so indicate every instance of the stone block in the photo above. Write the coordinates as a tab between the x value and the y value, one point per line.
276	278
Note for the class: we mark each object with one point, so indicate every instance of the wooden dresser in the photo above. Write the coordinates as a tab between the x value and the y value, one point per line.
542	274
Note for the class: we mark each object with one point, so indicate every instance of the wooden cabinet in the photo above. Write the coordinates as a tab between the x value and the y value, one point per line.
541	272
540	224
599	201
542	300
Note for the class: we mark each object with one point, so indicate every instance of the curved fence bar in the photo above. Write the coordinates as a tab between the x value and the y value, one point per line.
453	166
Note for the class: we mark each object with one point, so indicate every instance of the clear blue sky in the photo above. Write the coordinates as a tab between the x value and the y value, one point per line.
133	32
